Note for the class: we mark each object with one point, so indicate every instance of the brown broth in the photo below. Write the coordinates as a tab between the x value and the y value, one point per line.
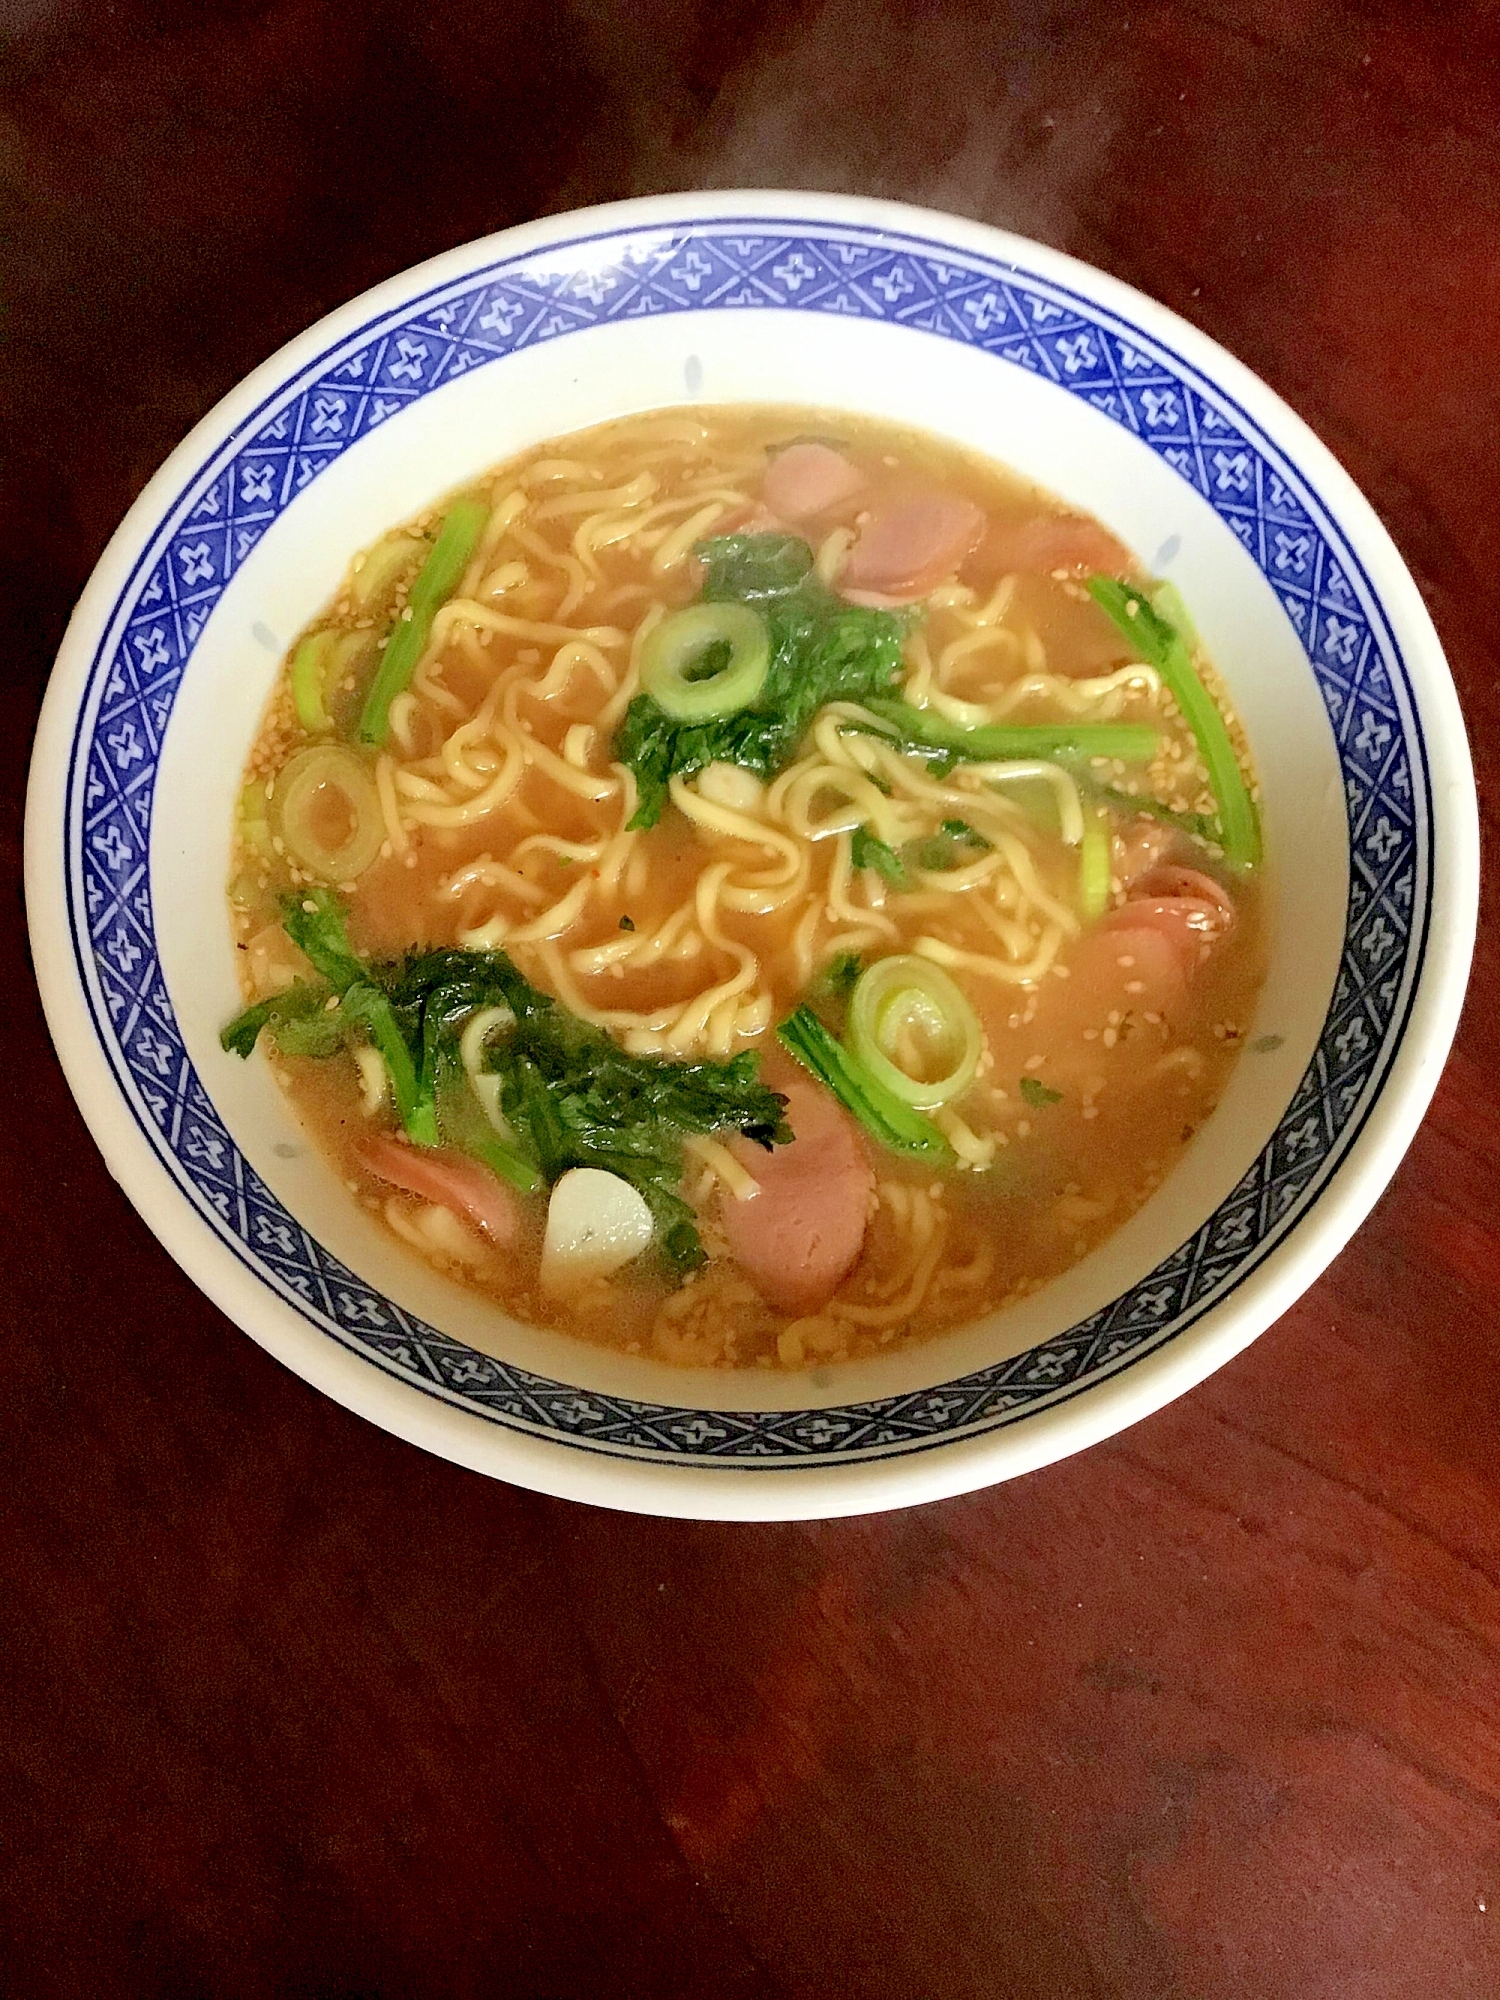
1092	1082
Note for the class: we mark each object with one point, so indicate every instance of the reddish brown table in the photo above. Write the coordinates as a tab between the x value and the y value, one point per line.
291	1709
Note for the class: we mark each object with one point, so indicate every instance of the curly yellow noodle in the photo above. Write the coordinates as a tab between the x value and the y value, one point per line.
1025	973
614	709
502	515
579	581
495	794
930	1236
487	874
465	611
674	549
404	714
390	811
840	883
545	471
832	550
632	494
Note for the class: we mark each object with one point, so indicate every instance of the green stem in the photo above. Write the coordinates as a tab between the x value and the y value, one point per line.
1160	644
1093	863
882	1114
436	582
1200	826
990	743
370	1007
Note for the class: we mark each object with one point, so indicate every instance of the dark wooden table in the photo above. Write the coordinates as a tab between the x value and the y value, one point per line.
291	1709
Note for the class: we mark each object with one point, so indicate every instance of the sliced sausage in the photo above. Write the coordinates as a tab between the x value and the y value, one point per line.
801	1235
471	1191
1053	542
1131	967
1170	880
1190	910
909	547
808	479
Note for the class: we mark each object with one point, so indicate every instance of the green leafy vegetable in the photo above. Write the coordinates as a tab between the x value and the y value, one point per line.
299	1006
838	978
821	650
571	1097
865	851
879	1110
1037	1094
1158	642
365	1006
954	845
435	583
314	921
923	729
745	569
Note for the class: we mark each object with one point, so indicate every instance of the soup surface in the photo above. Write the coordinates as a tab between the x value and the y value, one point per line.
749	886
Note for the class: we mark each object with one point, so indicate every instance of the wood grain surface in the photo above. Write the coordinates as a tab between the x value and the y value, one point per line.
290	1709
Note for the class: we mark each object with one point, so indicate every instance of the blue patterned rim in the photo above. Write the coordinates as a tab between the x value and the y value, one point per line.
752	265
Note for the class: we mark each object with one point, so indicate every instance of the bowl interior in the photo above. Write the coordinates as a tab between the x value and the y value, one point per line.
360	430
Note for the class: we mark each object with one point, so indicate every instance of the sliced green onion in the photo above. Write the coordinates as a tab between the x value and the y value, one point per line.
1160	645
706	661
1130	742
915	1031
373	579
884	1116
320	662
436	581
255	824
309	666
327	811
1094	856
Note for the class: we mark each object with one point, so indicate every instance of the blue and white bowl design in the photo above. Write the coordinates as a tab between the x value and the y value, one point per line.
708	282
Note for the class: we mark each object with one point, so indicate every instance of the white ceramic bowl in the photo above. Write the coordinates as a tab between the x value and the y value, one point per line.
1088	387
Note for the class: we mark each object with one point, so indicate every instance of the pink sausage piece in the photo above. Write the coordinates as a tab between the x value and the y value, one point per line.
1188	909
1054	542
809	479
1134	967
1170	880
453	1182
800	1236
908	548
